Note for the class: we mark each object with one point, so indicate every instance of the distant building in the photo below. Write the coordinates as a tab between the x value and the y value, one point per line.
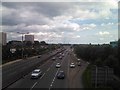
114	43
29	38
3	37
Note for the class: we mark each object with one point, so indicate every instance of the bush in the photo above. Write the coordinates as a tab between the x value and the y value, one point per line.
100	55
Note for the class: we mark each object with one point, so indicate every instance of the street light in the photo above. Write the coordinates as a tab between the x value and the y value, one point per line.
22	40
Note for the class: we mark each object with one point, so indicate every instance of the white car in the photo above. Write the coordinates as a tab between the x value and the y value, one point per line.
60	53
58	65
60	57
72	65
36	74
78	60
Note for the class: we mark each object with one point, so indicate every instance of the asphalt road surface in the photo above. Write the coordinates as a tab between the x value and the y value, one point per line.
14	71
73	76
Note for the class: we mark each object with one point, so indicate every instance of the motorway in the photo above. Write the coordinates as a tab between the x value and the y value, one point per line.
14	71
73	76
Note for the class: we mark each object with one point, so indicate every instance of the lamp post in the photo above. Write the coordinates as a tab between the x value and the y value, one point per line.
22	41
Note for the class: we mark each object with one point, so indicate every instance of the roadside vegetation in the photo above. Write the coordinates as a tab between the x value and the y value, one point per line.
86	78
29	50
99	55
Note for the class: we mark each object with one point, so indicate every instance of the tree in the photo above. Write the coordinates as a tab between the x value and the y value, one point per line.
43	43
98	62
28	43
36	43
111	61
119	49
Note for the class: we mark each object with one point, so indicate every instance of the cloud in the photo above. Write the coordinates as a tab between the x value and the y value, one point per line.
77	36
61	1
13	16
104	33
44	12
60	21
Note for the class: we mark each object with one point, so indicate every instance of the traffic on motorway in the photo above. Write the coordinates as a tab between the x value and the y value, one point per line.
61	75
59	71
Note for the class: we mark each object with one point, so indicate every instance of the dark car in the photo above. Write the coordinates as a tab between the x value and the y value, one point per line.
61	75
39	56
79	63
53	58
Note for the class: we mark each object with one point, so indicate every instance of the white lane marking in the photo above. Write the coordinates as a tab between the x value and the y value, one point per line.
42	76
41	66
53	79
50	66
36	82
55	75
48	69
45	63
33	85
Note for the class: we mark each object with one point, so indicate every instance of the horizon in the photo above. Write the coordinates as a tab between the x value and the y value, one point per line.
62	22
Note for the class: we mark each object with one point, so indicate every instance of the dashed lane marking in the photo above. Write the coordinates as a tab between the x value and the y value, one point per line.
42	76
55	76
48	69
33	85
36	82
53	79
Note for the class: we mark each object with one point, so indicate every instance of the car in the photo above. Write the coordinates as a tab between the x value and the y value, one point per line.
53	58
60	57
61	75
58	65
74	54
79	63
39	56
60	54
36	74
78	59
63	55
72	65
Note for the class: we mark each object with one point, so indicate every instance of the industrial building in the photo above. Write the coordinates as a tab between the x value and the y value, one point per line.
29	38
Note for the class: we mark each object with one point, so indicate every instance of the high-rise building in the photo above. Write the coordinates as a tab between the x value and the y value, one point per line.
29	38
3	37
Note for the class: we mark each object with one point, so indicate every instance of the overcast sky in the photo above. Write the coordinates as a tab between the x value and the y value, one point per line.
62	22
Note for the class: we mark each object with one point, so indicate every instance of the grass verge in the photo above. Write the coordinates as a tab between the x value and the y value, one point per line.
86	77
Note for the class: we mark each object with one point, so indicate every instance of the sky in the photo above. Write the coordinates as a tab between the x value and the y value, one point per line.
62	22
